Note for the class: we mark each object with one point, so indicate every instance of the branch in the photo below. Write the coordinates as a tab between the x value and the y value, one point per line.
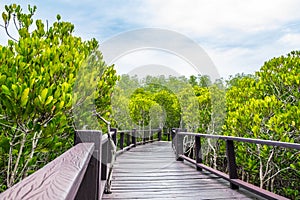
12	178
18	28
33	147
268	162
260	167
277	173
9	165
8	126
214	150
6	30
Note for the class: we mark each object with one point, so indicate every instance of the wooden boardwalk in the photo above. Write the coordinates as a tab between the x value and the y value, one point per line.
151	172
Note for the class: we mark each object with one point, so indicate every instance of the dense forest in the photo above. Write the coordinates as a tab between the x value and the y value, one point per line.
41	66
263	105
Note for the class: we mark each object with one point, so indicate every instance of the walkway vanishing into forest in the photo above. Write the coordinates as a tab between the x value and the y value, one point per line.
151	171
145	168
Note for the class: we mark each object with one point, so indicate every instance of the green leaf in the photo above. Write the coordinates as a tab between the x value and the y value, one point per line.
5	89
4	143
44	95
49	100
58	17
4	17
24	97
61	105
44	150
293	166
15	89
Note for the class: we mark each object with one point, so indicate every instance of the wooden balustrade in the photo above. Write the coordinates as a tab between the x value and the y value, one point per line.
79	173
59	179
82	172
127	139
232	175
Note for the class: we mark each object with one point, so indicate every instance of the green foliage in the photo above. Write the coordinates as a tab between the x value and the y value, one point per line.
92	92
150	101
38	70
267	106
169	102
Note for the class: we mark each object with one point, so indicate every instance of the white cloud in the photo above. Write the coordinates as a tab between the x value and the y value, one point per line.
231	61
290	40
238	35
141	58
204	17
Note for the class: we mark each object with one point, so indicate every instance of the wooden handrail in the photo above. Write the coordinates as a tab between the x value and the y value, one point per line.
178	135
125	142
248	140
66	171
79	173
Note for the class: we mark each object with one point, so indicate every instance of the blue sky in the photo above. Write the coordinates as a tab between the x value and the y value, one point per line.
239	36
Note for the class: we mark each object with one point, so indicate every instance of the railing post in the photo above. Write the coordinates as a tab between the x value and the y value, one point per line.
172	134
107	154
178	142
128	139
121	140
231	163
159	134
198	153
134	137
144	137
151	135
114	136
104	160
90	186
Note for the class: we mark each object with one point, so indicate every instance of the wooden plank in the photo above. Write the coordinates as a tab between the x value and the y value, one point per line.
151	172
202	194
59	179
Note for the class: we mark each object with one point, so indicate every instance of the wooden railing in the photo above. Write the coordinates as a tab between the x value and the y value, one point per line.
127	139
232	176
81	172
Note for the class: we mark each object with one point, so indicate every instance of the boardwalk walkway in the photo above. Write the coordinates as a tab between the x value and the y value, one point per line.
151	172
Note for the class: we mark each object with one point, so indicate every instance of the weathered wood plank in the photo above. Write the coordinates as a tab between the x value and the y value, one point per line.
59	179
151	172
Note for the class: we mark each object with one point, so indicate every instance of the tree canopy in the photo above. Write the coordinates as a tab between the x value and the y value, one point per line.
39	66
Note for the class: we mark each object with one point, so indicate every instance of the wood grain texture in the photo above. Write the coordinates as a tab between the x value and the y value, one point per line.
151	172
59	179
90	187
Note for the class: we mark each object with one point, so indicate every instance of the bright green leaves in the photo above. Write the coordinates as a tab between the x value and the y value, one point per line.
43	95
24	97
139	106
170	105
49	100
46	100
38	69
267	106
280	76
5	90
